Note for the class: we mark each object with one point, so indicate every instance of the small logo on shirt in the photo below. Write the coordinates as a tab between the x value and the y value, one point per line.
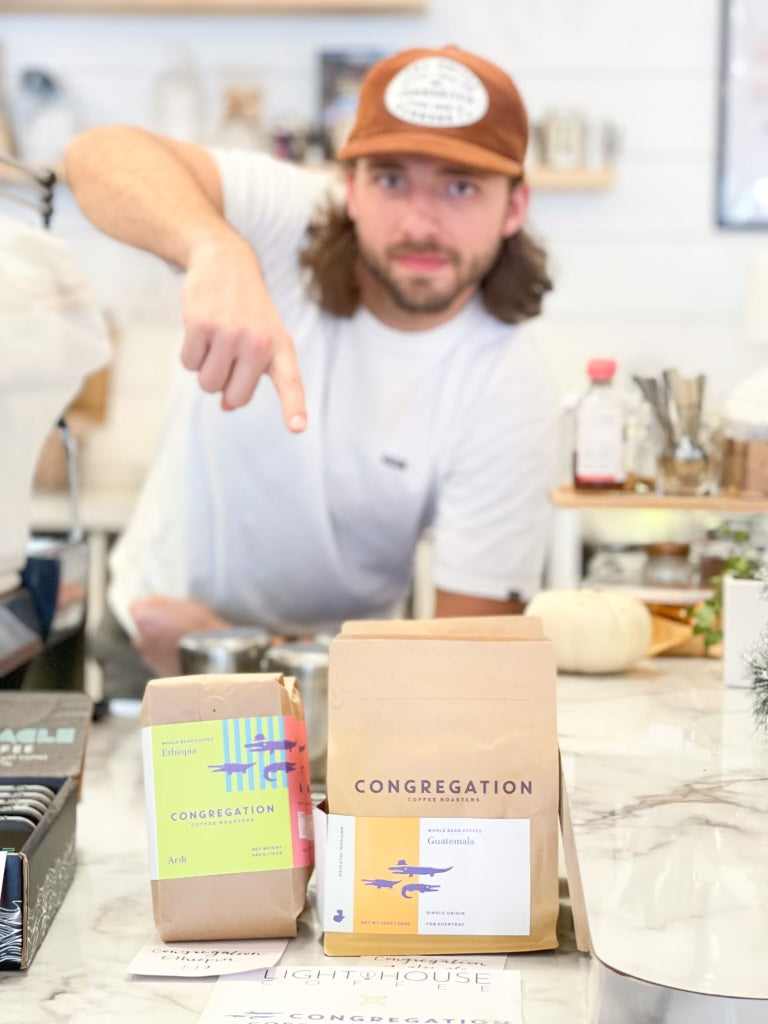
394	461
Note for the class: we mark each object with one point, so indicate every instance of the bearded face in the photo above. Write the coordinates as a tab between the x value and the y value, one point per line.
427	233
424	278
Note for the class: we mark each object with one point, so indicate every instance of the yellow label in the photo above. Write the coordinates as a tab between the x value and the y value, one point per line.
378	901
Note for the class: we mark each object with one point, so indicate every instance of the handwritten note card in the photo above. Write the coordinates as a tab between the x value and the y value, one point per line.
493	961
206	959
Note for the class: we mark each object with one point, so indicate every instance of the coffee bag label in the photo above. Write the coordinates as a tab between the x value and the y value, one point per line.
226	796
428	876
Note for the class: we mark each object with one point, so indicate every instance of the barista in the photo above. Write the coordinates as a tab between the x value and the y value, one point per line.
401	394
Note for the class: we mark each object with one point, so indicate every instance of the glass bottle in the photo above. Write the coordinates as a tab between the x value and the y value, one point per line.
668	564
178	101
598	458
641	448
243	127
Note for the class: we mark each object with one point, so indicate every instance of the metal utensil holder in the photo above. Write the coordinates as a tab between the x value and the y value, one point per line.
684	465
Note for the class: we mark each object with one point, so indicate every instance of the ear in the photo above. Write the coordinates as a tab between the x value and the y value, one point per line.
517	209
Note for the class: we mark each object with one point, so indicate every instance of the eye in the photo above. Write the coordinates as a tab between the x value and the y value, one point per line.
461	188
389	179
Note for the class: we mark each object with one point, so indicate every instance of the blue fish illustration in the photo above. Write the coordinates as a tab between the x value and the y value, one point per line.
417	887
232	768
270	770
382	883
261	744
404	868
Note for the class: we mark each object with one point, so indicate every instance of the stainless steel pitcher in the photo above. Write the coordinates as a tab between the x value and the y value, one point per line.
308	662
232	649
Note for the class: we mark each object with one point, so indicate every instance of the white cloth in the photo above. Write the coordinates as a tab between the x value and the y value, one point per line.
745	410
449	427
51	337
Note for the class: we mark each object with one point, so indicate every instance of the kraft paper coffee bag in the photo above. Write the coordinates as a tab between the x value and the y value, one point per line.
229	805
443	785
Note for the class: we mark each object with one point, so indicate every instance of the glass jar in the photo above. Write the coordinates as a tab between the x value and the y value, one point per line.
668	565
713	553
616	564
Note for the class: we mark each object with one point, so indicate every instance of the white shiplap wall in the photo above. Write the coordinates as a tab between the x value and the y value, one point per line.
642	274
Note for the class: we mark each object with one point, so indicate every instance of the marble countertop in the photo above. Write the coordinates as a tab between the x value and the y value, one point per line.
79	974
668	785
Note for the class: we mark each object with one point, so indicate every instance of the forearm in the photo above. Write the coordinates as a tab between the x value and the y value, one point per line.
147	191
450	605
166	197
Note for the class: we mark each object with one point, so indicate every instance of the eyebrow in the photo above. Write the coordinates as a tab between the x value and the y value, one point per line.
384	163
459	171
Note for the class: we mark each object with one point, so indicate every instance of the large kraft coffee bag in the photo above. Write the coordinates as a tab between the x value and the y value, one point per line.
229	805
443	785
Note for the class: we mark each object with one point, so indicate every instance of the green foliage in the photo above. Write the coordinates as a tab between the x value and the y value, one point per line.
705	618
757	664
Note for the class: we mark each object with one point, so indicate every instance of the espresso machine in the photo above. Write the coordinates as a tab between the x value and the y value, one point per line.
43	606
51	338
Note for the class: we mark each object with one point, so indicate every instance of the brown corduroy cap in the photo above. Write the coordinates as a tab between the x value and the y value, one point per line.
445	103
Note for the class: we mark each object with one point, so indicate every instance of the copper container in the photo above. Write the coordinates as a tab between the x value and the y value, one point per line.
745	468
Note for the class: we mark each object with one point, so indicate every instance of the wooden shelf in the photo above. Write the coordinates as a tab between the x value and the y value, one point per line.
577	179
209	6
568	497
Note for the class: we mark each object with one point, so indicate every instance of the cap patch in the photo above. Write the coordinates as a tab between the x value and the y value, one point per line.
436	92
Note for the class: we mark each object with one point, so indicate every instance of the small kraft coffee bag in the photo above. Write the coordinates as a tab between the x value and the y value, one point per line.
443	785
229	806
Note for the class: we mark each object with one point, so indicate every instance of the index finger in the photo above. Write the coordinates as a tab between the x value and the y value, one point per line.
197	340
284	371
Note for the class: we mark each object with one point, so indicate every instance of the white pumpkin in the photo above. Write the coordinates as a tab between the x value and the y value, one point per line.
593	631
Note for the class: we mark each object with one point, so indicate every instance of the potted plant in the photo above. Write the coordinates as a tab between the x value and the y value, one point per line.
736	612
742	562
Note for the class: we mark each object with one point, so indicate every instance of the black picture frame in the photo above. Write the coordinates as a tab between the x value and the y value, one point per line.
341	75
741	190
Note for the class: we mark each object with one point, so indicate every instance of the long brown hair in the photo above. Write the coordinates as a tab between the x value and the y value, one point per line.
512	290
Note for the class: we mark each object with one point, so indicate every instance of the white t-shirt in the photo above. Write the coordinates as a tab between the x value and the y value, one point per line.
449	427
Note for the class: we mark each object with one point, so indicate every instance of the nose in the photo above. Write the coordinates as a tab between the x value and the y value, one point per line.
420	217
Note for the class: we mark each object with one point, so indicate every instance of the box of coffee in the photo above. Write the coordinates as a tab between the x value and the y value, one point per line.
42	745
443	788
229	806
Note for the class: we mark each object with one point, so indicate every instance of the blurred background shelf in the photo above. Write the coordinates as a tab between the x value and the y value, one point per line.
209	6
576	179
566	497
572	508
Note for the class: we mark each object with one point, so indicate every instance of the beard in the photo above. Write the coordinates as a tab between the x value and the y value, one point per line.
421	294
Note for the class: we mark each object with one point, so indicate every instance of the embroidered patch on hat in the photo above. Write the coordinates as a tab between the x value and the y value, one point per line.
436	92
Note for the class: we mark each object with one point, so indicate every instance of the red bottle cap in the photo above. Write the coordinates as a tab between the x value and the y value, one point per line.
601	369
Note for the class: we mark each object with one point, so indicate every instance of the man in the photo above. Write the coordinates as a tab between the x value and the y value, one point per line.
400	396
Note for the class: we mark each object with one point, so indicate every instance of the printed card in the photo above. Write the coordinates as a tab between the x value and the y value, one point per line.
427	876
319	994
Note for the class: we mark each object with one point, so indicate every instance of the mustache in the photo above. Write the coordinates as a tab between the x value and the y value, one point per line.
419	248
